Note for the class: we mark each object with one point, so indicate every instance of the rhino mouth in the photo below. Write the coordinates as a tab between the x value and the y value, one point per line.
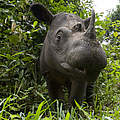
74	70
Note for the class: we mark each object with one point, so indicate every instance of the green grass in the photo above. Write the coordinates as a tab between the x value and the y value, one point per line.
45	112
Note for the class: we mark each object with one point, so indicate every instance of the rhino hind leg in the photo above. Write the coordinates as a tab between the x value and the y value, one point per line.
90	88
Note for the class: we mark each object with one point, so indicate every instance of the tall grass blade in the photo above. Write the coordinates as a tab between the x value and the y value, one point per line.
67	116
4	106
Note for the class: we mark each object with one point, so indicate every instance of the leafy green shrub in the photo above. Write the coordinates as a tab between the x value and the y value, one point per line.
107	99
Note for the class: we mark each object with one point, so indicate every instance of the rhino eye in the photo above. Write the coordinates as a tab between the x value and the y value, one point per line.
59	35
77	28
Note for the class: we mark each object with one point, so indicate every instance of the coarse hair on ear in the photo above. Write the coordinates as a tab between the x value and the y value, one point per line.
42	13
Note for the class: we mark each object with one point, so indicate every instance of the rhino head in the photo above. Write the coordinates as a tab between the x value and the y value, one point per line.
71	55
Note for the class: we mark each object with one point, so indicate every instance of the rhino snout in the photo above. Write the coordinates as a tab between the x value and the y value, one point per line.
86	58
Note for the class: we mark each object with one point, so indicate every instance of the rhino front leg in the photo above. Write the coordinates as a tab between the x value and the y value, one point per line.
78	91
89	93
55	90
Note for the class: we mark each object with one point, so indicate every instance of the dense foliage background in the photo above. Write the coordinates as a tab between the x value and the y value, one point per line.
22	88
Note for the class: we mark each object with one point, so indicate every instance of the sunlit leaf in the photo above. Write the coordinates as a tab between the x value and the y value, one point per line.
35	24
115	34
18	53
15	116
51	1
67	116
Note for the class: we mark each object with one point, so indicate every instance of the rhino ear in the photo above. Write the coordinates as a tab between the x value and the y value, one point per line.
42	13
87	22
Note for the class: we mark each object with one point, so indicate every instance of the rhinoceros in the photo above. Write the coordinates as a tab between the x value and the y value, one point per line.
71	57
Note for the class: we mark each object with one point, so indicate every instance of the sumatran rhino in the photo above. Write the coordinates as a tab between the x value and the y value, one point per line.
71	56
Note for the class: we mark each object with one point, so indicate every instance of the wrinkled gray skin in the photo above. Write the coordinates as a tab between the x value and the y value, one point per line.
71	56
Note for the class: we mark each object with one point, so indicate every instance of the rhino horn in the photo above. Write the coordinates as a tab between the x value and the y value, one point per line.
90	32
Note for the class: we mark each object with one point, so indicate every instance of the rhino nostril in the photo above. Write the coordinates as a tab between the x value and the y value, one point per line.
81	68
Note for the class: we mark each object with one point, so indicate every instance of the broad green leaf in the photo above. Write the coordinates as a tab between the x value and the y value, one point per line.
115	34
35	24
51	1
